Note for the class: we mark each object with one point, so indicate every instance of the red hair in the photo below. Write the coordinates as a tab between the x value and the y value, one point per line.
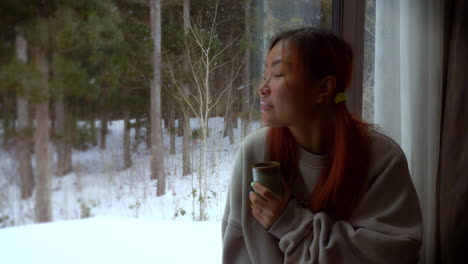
338	190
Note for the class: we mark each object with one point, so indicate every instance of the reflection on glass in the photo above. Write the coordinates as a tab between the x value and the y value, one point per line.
272	16
368	70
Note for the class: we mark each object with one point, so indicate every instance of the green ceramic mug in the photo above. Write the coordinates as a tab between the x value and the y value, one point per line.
268	174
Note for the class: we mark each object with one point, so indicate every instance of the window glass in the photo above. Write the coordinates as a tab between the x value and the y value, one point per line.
368	70
76	110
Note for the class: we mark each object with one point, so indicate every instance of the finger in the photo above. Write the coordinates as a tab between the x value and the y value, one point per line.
264	191
260	216
257	199
256	213
253	210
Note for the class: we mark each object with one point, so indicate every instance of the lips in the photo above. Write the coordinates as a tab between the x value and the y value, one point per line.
264	106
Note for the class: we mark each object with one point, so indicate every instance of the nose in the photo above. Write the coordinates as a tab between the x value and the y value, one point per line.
264	88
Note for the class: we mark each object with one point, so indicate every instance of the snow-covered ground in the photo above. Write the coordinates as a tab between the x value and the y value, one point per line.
122	220
112	240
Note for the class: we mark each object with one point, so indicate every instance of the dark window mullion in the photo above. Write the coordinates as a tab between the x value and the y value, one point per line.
337	17
348	21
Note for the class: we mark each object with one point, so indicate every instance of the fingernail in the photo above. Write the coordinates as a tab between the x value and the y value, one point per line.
252	184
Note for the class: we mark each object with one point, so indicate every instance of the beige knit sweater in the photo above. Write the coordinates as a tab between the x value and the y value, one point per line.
386	227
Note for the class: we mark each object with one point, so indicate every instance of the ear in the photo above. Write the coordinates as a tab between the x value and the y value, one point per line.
326	87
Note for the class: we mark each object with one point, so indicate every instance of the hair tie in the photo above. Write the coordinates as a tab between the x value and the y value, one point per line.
340	97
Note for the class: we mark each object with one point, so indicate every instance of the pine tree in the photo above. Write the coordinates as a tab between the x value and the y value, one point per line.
157	157
137	69
24	127
16	78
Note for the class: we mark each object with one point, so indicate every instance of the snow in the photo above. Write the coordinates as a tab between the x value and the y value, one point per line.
112	240
103	213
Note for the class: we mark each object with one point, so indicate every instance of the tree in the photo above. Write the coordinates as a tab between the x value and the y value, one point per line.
33	20
66	75
41	135
204	53
246	86
102	56
134	82
127	157
157	148
83	49
24	79
24	127
187	130
168	107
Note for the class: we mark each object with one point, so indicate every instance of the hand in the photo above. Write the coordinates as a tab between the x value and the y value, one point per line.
267	206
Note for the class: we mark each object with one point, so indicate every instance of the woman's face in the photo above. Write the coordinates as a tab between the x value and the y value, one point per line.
286	97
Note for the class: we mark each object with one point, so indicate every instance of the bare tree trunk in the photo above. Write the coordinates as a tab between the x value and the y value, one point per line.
245	127
186	141
136	136
103	131
229	112
92	123
126	140
8	122
148	131
165	122
180	130
234	121
42	138
187	130
170	118
157	148
24	139
24	150
229	127
171	130
68	142
59	108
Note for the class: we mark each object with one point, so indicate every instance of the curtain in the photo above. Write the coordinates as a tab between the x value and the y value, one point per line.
408	94
453	172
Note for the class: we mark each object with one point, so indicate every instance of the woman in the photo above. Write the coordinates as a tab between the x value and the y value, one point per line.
348	196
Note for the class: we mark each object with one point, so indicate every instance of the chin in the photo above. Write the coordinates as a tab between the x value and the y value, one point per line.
265	121
270	123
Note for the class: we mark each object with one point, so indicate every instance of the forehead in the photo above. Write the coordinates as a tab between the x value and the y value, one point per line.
281	52
276	53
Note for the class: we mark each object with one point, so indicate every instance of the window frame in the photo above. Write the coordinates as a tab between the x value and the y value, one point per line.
348	18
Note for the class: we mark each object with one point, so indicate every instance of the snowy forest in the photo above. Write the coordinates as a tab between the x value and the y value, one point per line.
130	108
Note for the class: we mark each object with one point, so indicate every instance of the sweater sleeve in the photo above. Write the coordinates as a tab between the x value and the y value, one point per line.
386	226
234	249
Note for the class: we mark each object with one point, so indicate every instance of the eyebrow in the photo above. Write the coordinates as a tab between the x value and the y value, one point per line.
275	62
278	61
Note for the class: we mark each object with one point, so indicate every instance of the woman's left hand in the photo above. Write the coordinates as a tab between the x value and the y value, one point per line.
269	206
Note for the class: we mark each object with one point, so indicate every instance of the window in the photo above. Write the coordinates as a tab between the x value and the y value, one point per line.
94	59
87	67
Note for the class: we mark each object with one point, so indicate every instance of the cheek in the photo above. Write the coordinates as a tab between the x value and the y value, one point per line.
305	105
286	110
297	106
290	97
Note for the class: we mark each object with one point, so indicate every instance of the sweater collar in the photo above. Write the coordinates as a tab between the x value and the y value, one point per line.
313	160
